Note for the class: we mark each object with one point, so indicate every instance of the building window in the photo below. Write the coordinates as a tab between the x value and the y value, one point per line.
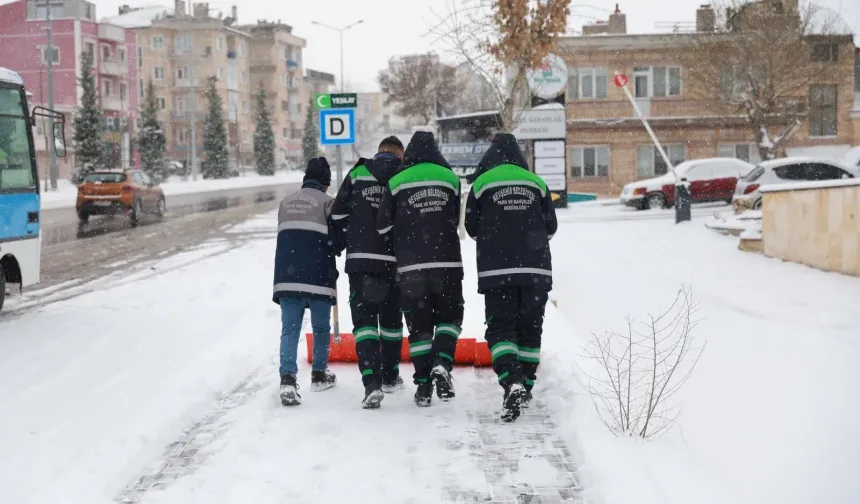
744	152
219	43
589	162
219	73
158	73
183	136
161	103
285	80
245	106
585	83
657	82
822	111
649	162
107	89
55	52
180	105
825	52
90	49
241	48
157	43
122	91
105	53
182	43
121	55
141	93
182	73
139	57
243	78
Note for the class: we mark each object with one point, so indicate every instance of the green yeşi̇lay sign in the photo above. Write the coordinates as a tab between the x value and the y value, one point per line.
336	100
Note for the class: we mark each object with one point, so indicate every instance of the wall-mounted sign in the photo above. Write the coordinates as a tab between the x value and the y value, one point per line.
550	78
549	149
550	166
467	155
542	123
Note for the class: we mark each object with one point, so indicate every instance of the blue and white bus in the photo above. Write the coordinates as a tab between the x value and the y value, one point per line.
20	241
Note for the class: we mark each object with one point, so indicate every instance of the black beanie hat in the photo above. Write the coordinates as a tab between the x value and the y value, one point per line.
319	170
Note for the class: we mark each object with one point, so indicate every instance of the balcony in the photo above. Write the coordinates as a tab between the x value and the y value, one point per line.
113	67
112	103
111	32
187	83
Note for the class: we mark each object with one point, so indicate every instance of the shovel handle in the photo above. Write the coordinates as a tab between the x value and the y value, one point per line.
336	324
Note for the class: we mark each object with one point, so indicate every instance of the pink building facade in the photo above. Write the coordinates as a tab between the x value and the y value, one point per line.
23	45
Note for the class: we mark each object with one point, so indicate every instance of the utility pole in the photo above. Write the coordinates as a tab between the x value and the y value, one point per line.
50	58
339	149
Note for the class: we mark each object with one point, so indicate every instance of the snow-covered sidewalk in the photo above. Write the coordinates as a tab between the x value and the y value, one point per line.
769	414
66	193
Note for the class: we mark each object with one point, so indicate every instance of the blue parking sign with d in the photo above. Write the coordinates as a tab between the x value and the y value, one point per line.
337	126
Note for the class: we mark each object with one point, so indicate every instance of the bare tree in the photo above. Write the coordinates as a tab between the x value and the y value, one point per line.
415	83
502	40
760	60
640	371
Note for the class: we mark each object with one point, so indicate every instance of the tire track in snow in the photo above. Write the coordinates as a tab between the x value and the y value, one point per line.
183	456
525	462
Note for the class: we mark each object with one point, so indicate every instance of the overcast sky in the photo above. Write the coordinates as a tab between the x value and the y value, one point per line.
394	27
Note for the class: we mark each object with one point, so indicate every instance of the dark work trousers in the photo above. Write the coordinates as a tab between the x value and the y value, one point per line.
514	328
434	316
377	327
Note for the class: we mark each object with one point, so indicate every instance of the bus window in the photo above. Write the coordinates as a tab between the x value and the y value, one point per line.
16	168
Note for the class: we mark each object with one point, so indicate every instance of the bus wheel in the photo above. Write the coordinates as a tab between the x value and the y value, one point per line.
83	217
2	286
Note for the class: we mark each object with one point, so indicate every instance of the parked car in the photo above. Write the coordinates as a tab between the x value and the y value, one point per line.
711	179
114	192
782	171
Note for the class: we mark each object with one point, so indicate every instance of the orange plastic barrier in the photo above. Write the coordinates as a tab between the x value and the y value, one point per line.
469	352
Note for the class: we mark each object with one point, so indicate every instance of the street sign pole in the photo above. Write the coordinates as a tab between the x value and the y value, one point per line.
339	159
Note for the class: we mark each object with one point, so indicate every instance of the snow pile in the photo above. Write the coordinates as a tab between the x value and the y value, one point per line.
769	413
66	193
732	223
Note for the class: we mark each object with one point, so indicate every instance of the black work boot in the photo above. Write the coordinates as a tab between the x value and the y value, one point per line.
289	391
514	396
322	380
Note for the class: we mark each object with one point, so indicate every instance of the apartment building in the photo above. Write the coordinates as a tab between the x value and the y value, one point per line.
318	82
276	66
23	48
607	144
179	51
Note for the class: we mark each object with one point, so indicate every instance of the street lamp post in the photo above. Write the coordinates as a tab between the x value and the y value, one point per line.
339	149
50	59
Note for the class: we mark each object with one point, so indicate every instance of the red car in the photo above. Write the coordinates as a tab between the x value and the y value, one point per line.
711	179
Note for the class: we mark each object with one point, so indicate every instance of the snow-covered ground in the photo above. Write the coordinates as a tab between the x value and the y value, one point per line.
162	388
66	193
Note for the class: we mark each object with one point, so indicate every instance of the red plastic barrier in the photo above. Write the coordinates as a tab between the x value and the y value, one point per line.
468	352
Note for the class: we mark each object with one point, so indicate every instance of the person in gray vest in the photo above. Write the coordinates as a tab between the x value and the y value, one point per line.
305	275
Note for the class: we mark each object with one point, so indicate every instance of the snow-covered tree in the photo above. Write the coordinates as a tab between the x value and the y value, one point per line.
502	40
151	142
762	60
311	137
88	123
264	138
417	83
215	136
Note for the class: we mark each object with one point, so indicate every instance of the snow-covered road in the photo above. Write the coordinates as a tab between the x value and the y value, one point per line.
162	388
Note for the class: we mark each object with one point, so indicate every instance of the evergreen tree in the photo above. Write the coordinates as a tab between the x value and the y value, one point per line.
264	138
89	123
215	136
150	139
311	138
